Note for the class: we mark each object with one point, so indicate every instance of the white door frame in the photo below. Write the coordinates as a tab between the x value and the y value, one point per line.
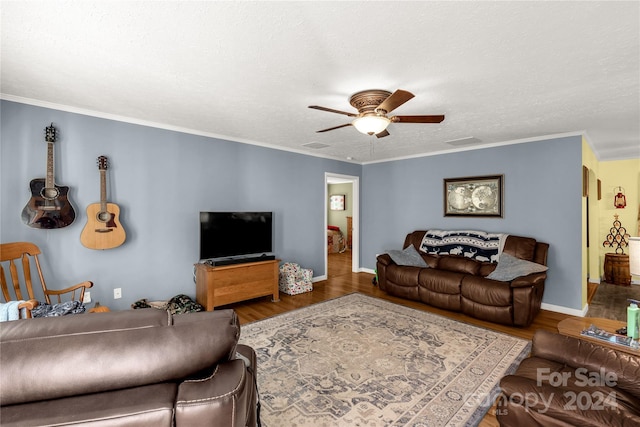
355	232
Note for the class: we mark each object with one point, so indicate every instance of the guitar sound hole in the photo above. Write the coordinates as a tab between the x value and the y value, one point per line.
103	216
49	193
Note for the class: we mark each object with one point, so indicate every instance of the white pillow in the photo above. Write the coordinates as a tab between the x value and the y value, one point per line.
409	256
510	267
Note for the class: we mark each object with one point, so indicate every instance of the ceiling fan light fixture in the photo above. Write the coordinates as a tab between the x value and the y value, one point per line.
371	125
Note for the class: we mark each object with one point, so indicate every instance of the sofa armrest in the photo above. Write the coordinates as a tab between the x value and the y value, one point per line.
385	259
225	398
530	280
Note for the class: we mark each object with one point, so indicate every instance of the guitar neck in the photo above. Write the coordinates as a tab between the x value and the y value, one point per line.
103	190
49	181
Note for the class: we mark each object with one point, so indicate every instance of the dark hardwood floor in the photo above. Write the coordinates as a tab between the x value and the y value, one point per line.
341	281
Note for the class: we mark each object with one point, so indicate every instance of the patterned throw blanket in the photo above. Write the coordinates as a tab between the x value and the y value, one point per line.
476	245
177	305
59	309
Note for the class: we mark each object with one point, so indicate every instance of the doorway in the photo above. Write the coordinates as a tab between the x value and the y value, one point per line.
344	255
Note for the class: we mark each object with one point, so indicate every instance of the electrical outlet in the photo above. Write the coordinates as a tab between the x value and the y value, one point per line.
87	298
117	293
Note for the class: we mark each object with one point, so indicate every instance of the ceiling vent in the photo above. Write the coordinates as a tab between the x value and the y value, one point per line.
315	145
463	141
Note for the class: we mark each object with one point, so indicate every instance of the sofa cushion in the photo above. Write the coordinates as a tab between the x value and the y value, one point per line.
520	247
459	264
146	406
491	313
440	281
568	405
510	267
486	268
408	256
486	292
62	365
579	353
403	275
105	321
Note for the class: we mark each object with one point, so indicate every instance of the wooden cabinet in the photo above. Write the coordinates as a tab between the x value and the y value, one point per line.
349	232
221	285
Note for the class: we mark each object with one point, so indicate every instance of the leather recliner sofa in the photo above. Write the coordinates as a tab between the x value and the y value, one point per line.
138	367
571	382
458	283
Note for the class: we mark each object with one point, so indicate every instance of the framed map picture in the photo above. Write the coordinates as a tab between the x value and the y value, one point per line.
473	196
336	202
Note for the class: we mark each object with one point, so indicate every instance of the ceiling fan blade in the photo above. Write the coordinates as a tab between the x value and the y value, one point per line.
417	119
395	100
382	134
331	110
335	127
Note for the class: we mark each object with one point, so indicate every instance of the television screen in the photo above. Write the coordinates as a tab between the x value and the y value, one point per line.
228	234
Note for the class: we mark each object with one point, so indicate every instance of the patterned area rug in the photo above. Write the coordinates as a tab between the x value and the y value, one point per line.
363	361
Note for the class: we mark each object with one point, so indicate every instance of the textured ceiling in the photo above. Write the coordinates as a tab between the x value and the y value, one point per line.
246	71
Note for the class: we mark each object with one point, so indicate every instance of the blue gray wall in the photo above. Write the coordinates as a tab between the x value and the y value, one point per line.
162	179
542	188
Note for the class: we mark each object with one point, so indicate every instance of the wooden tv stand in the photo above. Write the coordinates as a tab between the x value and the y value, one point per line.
226	284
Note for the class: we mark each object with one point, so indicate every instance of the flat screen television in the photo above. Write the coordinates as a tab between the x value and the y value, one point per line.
235	234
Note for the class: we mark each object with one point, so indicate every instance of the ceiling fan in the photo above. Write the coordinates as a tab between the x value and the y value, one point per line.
373	106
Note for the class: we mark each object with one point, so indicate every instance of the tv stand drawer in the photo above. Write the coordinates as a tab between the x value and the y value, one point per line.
222	285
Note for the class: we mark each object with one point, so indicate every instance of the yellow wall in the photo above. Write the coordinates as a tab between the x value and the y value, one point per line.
624	173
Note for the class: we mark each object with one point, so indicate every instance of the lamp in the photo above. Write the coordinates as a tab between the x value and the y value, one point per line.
371	125
634	256
619	200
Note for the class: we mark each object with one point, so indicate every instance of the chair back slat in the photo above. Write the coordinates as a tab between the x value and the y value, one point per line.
42	282
3	285
26	271
16	280
19	275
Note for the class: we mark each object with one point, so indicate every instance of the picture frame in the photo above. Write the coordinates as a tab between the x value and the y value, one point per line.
479	196
337	202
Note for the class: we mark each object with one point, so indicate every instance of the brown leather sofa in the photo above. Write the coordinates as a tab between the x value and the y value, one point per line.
571	382
457	283
138	367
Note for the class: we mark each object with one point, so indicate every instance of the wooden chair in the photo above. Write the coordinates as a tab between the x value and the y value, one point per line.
23	256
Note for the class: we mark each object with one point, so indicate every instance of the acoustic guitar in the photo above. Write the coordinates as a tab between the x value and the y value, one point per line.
49	205
103	229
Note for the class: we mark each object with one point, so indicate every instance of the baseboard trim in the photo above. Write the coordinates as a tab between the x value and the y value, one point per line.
367	270
566	310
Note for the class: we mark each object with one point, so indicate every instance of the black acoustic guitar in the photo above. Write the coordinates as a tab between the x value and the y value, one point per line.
49	206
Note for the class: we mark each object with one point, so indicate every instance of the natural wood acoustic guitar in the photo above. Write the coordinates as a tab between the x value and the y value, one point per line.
103	229
49	205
